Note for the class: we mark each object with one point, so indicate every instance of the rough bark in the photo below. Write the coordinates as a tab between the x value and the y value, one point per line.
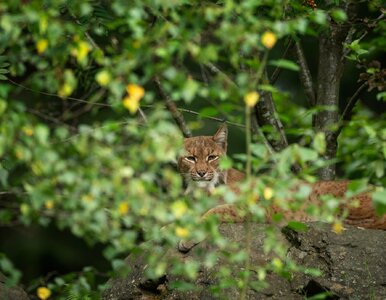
353	266
305	74
11	293
330	70
265	115
171	106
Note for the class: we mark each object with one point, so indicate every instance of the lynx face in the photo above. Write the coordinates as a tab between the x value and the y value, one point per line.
199	165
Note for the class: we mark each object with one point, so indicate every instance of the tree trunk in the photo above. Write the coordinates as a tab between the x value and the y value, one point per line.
330	70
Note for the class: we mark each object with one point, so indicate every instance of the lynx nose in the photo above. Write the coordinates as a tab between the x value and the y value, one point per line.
201	173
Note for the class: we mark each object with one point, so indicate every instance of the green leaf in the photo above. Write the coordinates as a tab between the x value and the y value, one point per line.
379	200
297	226
208	112
313	272
307	154
356	186
3	106
338	15
319	142
381	96
189	90
226	163
2	77
41	133
182	286
319	17
285	64
268	88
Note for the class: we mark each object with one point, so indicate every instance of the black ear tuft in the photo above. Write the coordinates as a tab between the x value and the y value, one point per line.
221	136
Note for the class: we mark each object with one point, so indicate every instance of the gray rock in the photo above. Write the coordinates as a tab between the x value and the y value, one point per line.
11	293
353	265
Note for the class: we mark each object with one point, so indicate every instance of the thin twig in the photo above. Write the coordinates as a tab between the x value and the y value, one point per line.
201	115
57	96
349	107
276	72
171	106
305	74
108	105
347	50
142	114
86	132
48	118
87	35
258	130
216	70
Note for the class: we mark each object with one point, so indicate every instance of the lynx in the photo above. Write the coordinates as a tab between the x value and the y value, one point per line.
199	167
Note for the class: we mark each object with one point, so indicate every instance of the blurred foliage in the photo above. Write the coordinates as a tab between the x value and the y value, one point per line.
73	156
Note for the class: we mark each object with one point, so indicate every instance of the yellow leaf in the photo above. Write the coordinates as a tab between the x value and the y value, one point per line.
28	131
81	51
179	208
24	209
144	211
252	199
277	263
131	104
268	39
49	204
103	78
65	90
261	274
123	208
268	193
41	45
337	227
182	232
43	293
251	99
136	44
87	198
19	154
135	91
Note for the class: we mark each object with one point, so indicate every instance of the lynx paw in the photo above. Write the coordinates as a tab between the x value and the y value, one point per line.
186	246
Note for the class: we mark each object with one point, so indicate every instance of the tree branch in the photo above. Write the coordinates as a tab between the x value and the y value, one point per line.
216	70
171	106
349	107
305	74
265	114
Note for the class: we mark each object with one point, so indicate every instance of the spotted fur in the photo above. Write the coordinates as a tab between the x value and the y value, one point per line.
199	171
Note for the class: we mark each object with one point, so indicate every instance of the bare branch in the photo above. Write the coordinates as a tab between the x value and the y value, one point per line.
143	115
216	70
256	128
86	34
276	72
305	74
265	113
171	106
349	107
364	34
57	96
203	116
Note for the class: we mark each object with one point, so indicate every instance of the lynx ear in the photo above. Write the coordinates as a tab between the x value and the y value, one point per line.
221	136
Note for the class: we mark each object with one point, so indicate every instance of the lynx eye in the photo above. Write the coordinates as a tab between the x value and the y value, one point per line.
212	157
191	159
